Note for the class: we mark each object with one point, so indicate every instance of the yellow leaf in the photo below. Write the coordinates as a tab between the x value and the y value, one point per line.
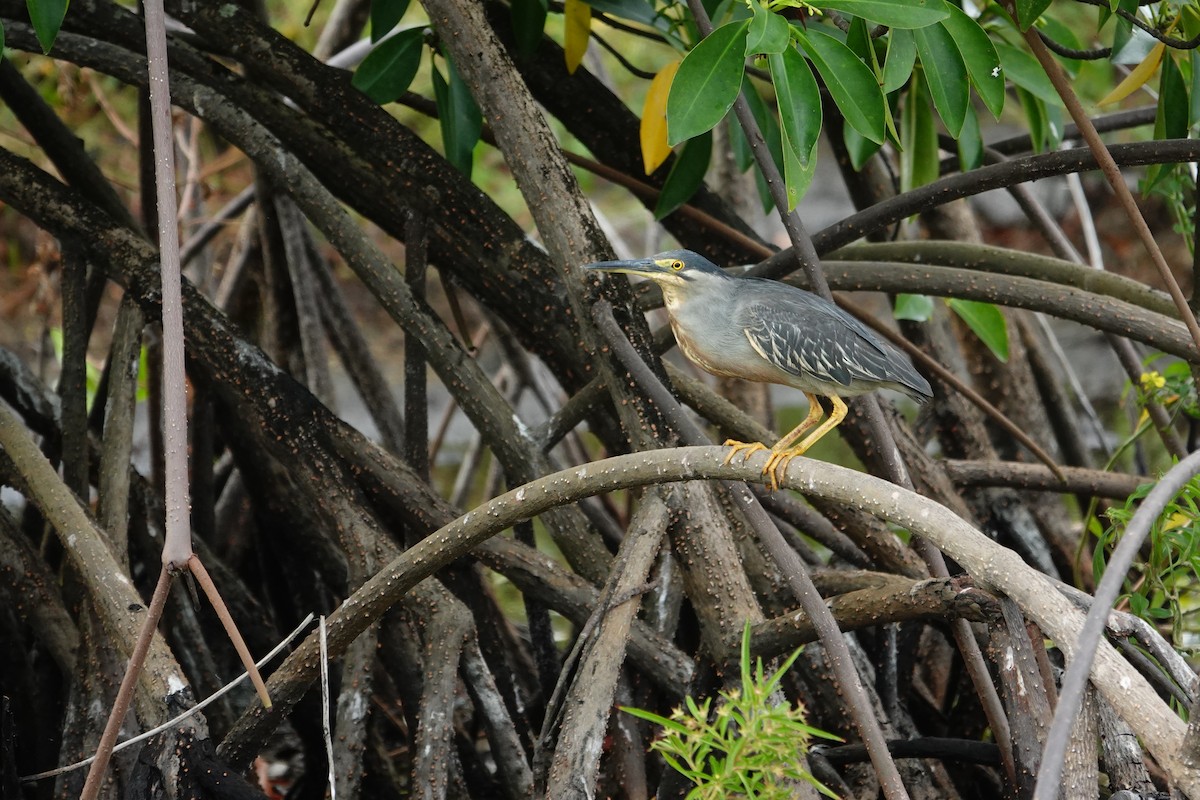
1176	520
654	119
577	16
1134	80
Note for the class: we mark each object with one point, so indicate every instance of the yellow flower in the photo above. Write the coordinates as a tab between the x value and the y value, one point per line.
1152	380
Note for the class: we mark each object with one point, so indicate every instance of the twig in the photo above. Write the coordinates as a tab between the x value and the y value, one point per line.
177	546
239	644
104	750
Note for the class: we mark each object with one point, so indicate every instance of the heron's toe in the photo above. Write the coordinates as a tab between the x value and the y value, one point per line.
745	448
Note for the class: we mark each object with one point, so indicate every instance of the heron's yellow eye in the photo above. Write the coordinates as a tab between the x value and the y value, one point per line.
677	265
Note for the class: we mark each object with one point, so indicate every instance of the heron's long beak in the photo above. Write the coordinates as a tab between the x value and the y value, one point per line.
645	267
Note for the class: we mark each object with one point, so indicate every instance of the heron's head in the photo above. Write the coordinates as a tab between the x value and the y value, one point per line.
674	269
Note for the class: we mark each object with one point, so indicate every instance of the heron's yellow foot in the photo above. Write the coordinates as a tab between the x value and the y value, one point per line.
777	464
745	448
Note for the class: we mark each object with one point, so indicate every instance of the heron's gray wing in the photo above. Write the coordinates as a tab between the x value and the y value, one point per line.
804	335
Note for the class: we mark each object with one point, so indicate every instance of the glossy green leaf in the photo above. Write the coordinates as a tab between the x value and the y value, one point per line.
918	138
1024	70
849	80
1173	100
986	321
385	15
858	147
768	33
461	120
1028	11
529	22
981	58
686	175
47	17
945	74
798	171
707	83
799	102
1123	28
1170	119
915	307
858	39
1194	105
970	143
901	56
1035	119
896	14
387	71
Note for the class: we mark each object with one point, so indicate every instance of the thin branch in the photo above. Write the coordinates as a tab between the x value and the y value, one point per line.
120	707
177	548
1019	475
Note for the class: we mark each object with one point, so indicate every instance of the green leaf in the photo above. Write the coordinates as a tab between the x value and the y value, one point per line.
945	74
987	321
1	40
849	80
970	143
769	32
858	39
1035	119
901	56
1194	106
1025	71
798	171
47	17
916	307
918	138
460	118
707	83
799	102
1170	119
858	147
686	175
386	72
385	15
528	21
981	58
1173	100
897	14
1028	11
1123	30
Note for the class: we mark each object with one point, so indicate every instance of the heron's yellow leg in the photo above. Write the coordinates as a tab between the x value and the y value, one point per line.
778	462
749	448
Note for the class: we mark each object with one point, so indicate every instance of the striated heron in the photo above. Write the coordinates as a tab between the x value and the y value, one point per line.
763	330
